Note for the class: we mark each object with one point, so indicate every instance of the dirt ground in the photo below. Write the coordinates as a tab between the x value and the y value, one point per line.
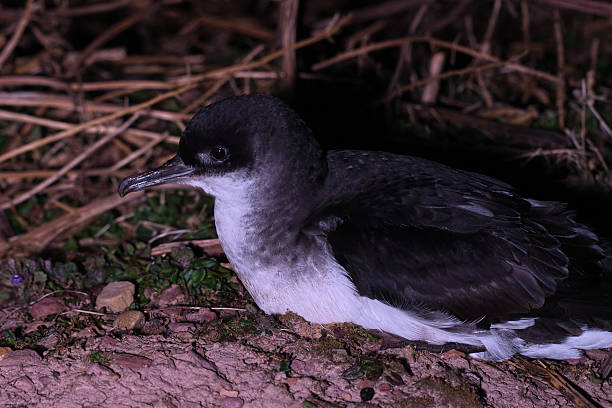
286	362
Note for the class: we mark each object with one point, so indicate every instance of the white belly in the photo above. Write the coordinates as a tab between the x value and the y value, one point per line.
319	289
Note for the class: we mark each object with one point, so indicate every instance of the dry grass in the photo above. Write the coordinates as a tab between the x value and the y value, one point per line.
67	96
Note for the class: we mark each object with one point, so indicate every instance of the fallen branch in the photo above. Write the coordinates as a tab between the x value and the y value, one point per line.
335	25
37	239
288	15
39	99
209	246
514	134
32	174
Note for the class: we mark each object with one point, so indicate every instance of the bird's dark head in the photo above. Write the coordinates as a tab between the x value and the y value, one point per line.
243	139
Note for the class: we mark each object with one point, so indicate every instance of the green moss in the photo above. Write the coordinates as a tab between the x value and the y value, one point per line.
9	337
285	367
325	347
416	402
373	369
99	357
462	396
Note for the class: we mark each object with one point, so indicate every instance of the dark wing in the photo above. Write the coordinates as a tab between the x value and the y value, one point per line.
418	234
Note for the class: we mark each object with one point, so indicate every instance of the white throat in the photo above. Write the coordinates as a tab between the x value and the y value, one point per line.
233	209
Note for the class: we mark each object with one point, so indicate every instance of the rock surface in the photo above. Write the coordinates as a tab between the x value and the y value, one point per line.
130	320
275	367
20	358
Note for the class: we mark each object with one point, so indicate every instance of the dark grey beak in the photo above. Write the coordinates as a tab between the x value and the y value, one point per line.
172	170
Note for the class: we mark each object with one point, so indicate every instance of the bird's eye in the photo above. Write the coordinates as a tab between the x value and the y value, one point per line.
219	153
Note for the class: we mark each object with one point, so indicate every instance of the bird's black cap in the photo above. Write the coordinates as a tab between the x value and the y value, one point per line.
234	134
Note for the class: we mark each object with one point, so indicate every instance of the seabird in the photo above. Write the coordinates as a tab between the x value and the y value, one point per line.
390	242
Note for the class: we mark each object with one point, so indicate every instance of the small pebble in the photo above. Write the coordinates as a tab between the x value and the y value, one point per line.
4	351
130	320
84	333
597	355
384	387
108	342
352	373
45	380
20	357
25	384
49	341
394	378
116	296
228	393
576	361
452	353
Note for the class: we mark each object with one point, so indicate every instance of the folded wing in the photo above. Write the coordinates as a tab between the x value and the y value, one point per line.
420	235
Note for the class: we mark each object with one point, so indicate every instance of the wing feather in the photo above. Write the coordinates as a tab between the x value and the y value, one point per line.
421	235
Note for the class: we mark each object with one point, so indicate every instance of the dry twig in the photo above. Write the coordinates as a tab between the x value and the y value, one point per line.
37	239
288	25
586	6
568	389
560	95
23	22
74	130
210	246
433	41
40	187
91	9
